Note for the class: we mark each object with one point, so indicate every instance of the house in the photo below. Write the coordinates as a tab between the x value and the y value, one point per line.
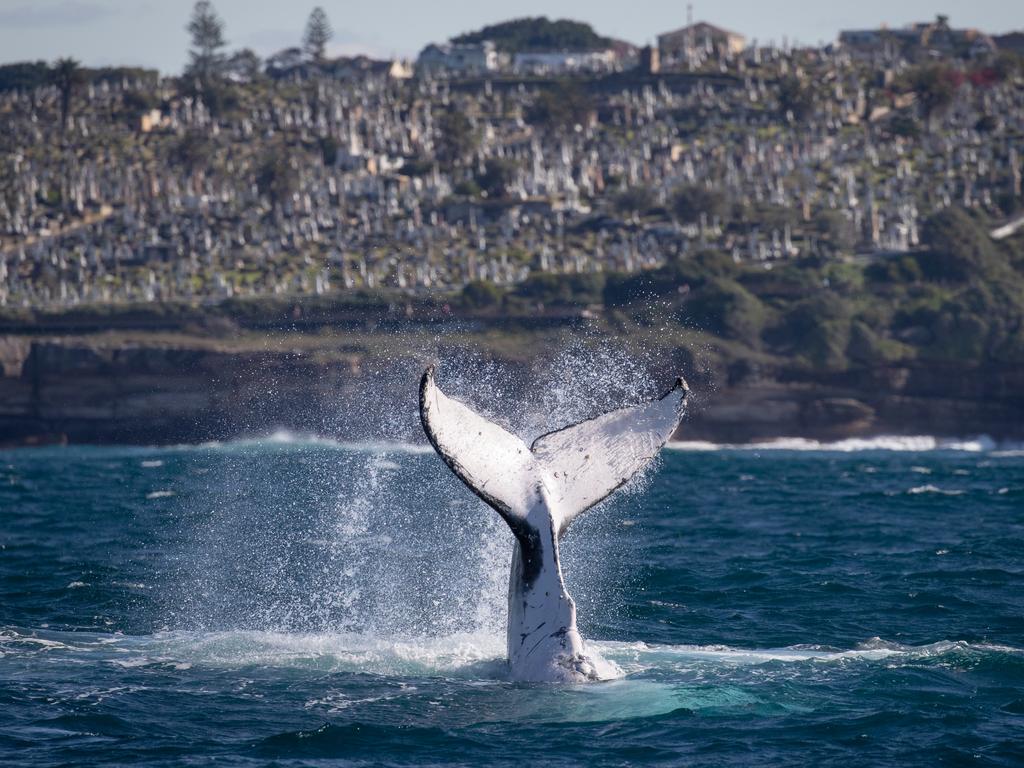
1011	41
458	57
919	40
680	44
867	42
285	62
565	61
363	67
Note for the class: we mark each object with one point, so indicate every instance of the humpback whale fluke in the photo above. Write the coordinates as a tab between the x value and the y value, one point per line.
539	490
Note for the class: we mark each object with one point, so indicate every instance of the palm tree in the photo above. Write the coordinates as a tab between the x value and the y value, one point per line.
67	73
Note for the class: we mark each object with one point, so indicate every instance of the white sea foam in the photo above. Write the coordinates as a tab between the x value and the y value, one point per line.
474	655
896	443
477	653
470	654
889	443
929	488
286	438
658	679
635	658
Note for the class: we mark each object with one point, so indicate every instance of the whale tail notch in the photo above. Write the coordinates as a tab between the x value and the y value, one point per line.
572	468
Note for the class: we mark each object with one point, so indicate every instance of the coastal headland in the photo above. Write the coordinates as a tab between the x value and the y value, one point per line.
827	241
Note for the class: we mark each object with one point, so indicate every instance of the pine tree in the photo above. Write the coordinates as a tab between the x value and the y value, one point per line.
207	30
318	33
66	75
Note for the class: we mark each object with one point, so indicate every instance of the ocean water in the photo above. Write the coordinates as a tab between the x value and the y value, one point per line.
299	602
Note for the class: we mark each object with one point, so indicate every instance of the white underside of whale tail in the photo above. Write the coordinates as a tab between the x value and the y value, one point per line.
574	467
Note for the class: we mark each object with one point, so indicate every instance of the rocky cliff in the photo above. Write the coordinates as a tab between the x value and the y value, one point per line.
86	390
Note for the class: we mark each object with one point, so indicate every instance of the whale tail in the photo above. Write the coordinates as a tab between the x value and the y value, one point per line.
570	469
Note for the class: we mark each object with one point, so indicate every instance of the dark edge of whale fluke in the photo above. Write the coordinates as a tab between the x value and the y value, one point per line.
680	383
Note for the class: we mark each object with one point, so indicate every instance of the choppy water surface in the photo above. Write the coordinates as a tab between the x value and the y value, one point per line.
296	602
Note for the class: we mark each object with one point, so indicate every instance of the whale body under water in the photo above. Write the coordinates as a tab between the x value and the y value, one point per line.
539	490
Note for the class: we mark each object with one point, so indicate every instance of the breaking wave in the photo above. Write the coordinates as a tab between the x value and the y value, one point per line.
474	655
896	443
891	443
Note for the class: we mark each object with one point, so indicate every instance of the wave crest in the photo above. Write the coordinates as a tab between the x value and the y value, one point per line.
475	655
895	443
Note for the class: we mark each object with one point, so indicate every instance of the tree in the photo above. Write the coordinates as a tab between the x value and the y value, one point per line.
318	34
635	200
934	86
24	76
66	75
573	289
986	124
958	248
276	177
498	176
456	138
244	65
561	107
207	30
905	126
726	308
816	329
836	229
796	97
193	152
479	294
539	34
689	202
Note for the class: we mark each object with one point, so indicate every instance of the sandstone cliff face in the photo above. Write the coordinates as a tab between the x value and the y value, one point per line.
159	394
81	391
932	399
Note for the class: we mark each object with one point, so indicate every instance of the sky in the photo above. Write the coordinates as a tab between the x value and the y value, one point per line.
152	33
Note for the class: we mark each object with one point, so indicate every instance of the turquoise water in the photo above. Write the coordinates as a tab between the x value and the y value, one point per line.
294	602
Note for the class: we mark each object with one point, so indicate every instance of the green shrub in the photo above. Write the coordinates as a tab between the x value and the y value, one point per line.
726	308
958	248
575	289
816	329
497	176
868	348
560	107
638	200
480	294
689	202
906	269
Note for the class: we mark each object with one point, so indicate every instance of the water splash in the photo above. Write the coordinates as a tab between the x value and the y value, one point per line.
297	533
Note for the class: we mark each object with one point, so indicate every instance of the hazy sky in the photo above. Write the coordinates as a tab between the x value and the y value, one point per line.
151	32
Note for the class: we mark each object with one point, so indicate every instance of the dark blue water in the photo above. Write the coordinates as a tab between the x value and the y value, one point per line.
295	603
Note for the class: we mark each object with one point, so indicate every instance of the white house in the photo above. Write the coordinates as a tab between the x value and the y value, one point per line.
680	44
566	61
458	57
